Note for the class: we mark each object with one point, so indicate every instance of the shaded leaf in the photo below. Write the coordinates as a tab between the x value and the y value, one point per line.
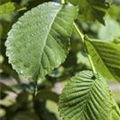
91	10
47	95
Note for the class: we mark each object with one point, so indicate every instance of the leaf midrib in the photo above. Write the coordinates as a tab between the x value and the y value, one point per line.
46	38
88	95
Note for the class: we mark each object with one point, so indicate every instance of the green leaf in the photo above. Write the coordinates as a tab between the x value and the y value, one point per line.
105	57
23	97
8	7
91	10
38	42
85	98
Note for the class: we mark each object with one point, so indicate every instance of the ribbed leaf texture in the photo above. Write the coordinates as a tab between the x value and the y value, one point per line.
38	42
85	98
105	57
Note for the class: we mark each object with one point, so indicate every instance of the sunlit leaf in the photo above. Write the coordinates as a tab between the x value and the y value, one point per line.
85	98
105	57
38	42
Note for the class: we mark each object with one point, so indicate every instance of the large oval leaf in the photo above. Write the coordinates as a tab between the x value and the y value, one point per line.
38	42
105	57
85	98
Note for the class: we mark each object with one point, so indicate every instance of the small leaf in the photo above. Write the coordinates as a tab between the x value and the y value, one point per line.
85	98
105	57
38	42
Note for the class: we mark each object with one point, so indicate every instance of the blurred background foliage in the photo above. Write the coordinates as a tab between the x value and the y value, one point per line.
16	95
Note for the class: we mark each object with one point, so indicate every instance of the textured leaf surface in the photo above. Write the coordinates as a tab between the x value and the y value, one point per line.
85	98
38	42
106	58
91	10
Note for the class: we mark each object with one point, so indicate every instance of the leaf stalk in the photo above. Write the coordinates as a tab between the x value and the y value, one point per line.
82	38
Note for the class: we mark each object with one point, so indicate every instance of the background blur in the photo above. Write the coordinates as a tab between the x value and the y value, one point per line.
16	94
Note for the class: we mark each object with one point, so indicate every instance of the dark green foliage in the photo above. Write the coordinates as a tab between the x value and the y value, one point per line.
91	10
45	47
